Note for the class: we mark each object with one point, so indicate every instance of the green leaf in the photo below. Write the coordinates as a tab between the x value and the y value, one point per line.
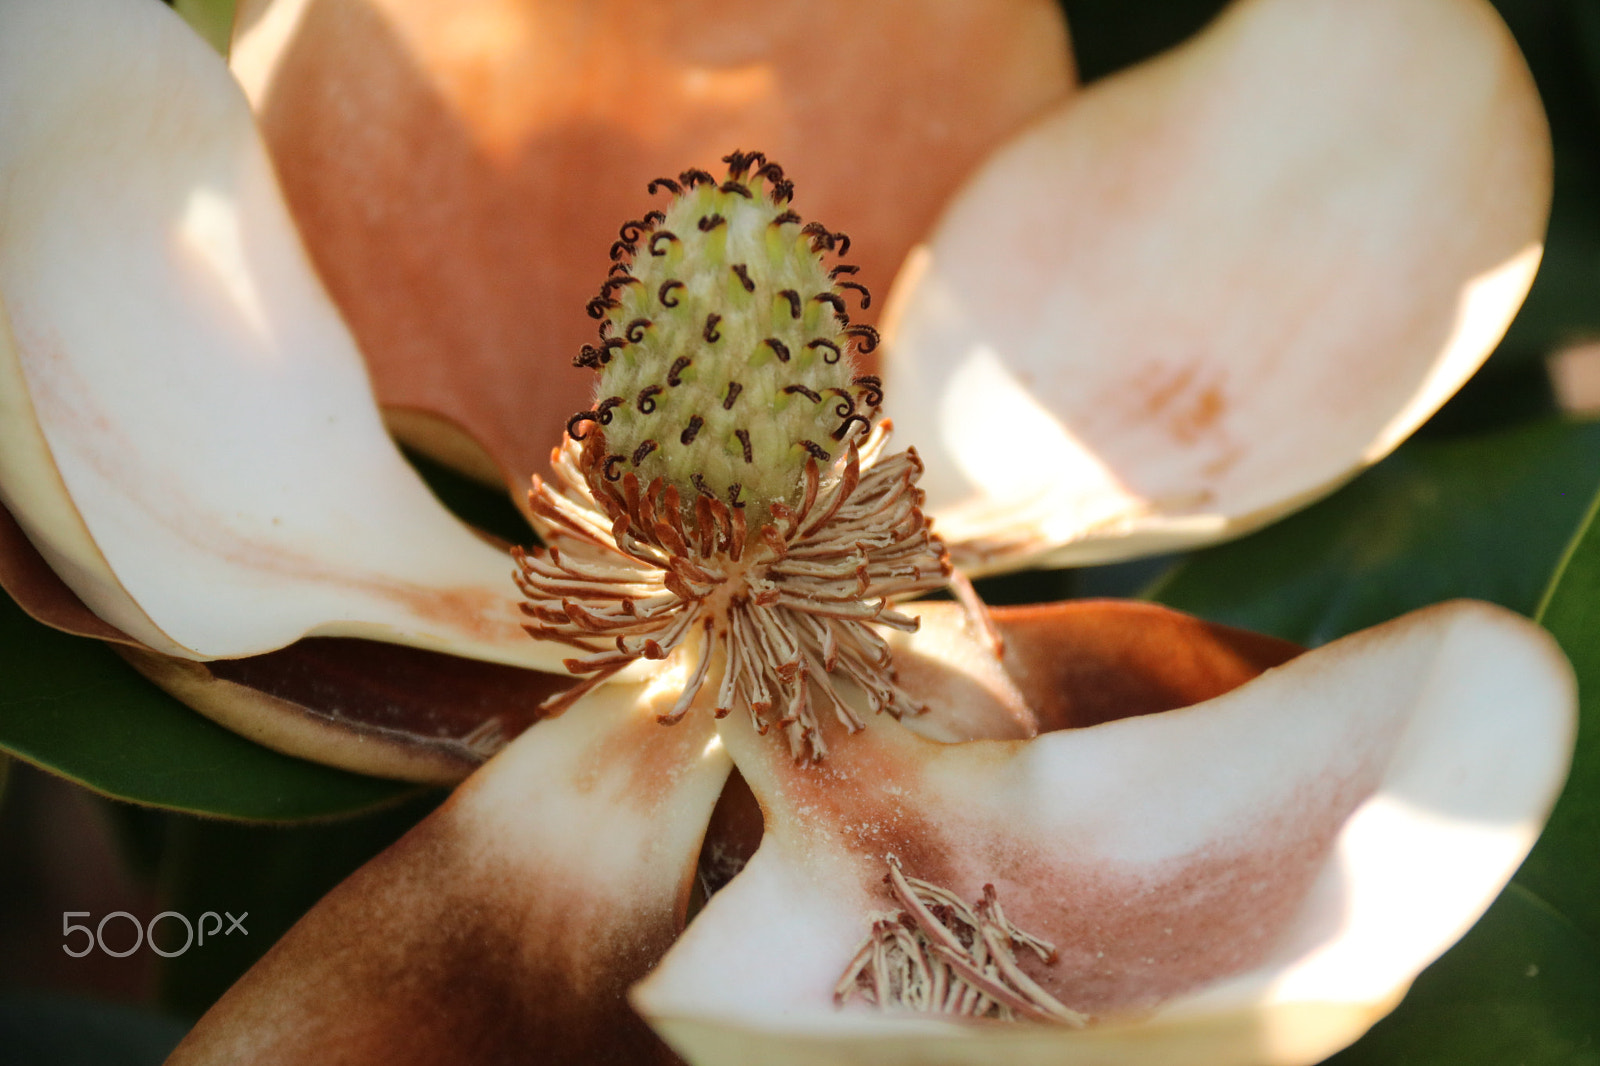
1521	989
211	19
71	706
38	1030
1565	865
1485	517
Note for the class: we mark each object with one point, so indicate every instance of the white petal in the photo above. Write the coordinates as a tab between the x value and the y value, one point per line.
1212	288
1255	879
189	434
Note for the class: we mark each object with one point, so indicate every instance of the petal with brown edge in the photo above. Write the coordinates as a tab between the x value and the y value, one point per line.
1066	666
460	169
1217	285
506	927
371	708
187	433
1255	879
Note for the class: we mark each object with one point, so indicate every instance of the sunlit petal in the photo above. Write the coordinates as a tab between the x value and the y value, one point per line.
189	436
1215	286
1255	879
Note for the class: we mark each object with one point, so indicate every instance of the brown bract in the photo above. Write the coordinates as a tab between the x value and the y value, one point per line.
458	171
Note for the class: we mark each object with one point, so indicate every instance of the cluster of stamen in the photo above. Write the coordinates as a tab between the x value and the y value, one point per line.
937	955
728	497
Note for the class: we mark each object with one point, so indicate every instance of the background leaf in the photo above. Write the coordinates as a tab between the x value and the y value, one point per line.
71	706
1565	865
1485	516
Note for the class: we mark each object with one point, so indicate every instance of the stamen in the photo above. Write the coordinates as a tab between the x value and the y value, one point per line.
743	273
679	365
710	332
938	955
666	288
734	389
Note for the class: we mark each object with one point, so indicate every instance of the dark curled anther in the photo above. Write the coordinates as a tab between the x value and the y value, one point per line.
782	191
735	187
794	302
844	427
866	337
779	349
589	357
770	171
645	401
733	494
622	248
744	442
820	237
655	242
618	268
598	306
691	178
739	162
832	299
619	281
832	354
843	268
635	330
872	386
610	469
708	223
578	419
818	452
734	389
653	217
632	230
643	450
667	287
699	483
866	297
603	410
785	219
663	183
679	365
743	274
847	403
790	390
608	344
689	431
710	332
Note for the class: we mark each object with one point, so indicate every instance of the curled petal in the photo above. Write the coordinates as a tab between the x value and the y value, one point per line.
507	925
1254	879
1214	287
187	433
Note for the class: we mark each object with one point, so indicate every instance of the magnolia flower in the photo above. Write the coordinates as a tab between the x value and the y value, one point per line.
1176	304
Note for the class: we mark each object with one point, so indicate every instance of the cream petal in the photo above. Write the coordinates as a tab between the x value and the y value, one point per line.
188	434
1255	879
507	925
1215	286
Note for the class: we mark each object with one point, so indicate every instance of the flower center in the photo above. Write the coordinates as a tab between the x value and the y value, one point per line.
728	499
724	342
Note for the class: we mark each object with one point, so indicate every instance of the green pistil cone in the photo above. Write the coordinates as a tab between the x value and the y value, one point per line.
725	343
